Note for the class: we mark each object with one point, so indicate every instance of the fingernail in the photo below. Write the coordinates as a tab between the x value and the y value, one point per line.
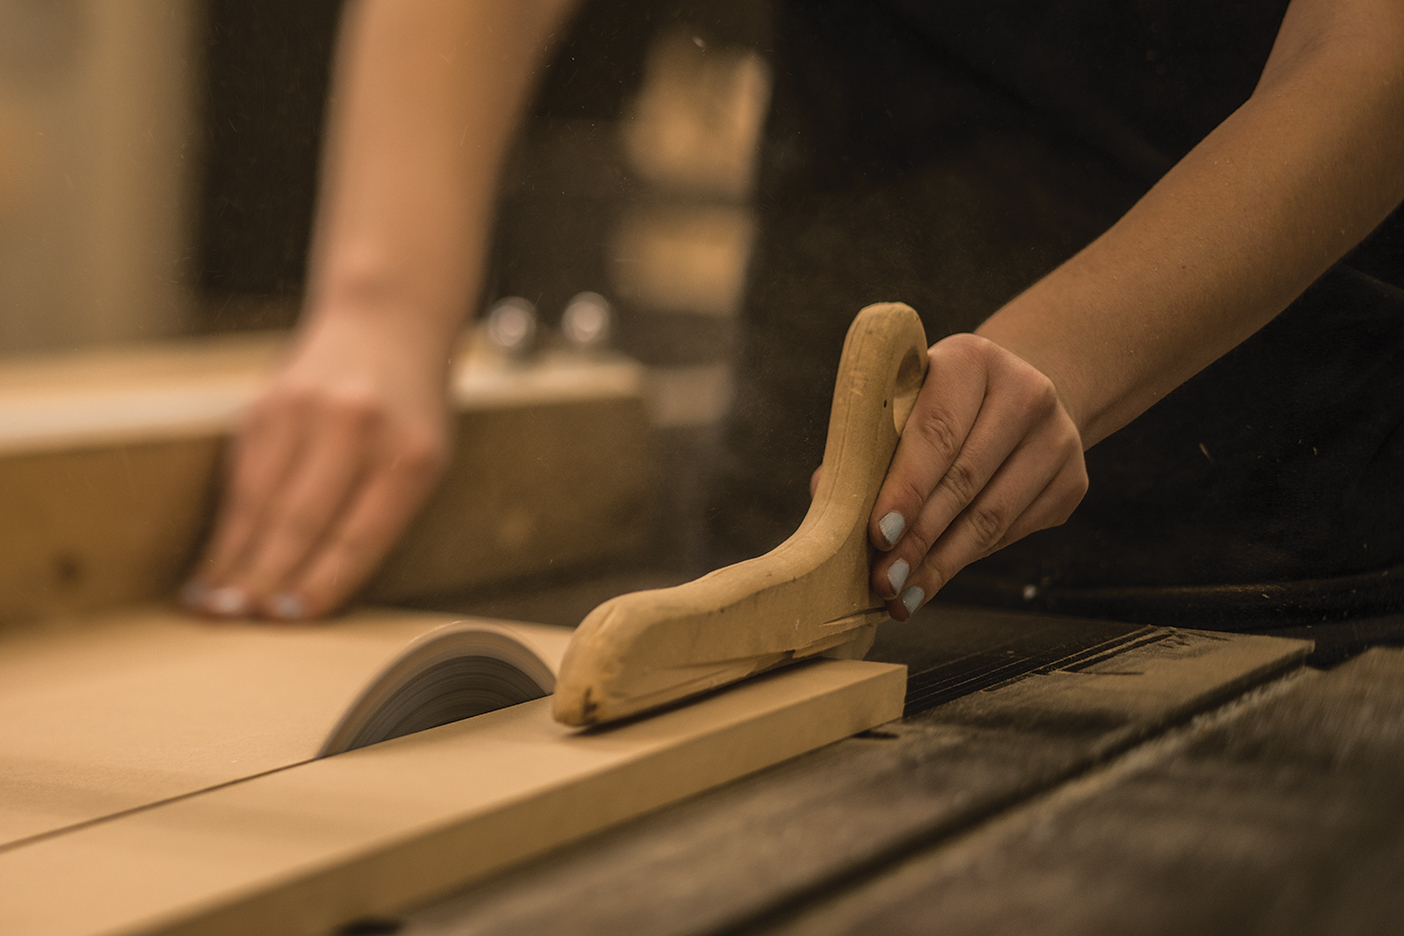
229	601
891	527
194	594
287	607
897	575
912	598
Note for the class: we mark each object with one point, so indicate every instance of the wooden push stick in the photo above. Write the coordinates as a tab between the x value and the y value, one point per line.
809	596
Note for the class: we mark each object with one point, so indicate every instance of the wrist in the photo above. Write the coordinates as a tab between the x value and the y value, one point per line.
1042	355
379	312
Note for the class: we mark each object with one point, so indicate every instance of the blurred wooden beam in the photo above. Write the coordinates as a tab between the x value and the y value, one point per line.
109	471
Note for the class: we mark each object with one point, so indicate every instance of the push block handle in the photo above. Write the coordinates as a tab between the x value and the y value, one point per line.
808	596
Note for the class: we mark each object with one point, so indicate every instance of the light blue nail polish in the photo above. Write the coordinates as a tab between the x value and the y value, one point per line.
912	598
229	601
891	527
897	575
288	607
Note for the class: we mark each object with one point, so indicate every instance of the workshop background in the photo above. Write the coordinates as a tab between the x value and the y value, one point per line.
158	171
158	168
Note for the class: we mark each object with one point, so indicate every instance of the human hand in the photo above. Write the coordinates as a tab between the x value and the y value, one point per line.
328	467
988	456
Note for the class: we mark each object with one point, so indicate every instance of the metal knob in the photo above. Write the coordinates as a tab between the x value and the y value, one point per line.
588	321
511	326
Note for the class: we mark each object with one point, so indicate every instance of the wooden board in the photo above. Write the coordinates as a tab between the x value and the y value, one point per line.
1282	813
531	491
739	858
300	850
112	714
109	470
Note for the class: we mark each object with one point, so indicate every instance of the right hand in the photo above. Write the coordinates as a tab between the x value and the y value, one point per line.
988	456
328	467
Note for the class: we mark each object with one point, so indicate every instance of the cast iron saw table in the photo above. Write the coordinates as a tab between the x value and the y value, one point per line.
1050	775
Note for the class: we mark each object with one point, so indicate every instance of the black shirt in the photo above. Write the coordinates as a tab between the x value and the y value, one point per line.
947	155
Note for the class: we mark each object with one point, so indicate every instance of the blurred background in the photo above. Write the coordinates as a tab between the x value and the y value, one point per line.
158	165
101	187
158	172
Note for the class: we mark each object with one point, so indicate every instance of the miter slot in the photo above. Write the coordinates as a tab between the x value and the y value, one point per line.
1000	665
1094	655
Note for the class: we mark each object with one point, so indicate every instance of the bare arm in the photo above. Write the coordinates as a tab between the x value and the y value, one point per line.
1228	238
339	454
1238	229
427	98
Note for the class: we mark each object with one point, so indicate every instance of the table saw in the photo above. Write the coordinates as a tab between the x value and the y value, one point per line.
1044	773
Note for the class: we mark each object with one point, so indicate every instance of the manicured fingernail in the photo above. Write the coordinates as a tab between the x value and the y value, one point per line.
287	607
912	598
891	527
897	575
229	601
194	594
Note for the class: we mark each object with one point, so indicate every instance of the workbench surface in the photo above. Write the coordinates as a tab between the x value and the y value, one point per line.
1051	775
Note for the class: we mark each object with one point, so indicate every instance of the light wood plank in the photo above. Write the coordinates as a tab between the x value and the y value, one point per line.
135	708
301	850
109	467
736	859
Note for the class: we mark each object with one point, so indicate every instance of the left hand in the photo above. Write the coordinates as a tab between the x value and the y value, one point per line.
330	465
989	455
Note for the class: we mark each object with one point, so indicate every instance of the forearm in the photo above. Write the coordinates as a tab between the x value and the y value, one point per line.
426	98
1264	205
350	437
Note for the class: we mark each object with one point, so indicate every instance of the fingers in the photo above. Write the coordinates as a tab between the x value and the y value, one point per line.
310	498
933	438
264	452
323	485
296	464
987	448
384	505
1022	498
331	461
988	456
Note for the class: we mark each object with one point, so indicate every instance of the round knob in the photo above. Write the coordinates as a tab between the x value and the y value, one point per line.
511	325
588	321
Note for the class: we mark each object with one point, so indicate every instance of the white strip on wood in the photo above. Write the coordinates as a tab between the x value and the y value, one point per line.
200	387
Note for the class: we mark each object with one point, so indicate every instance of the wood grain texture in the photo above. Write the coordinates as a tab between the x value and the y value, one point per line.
126	395
809	595
109	472
1280	814
301	850
530	491
740	858
101	526
112	714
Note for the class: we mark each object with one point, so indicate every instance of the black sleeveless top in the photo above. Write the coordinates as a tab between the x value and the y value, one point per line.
948	155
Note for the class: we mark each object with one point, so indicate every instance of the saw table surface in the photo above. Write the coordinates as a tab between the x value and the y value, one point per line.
1048	775
1051	775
